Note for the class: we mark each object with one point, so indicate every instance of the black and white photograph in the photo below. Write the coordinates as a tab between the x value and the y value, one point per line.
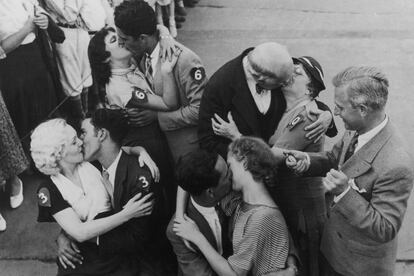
206	138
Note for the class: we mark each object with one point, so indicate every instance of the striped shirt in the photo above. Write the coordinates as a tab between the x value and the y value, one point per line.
260	238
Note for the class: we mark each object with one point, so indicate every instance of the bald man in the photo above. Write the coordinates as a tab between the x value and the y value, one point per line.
249	87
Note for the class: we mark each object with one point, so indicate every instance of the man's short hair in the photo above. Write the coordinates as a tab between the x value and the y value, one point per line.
366	85
113	121
195	171
257	157
135	18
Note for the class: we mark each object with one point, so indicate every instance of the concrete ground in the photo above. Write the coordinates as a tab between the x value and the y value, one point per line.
337	33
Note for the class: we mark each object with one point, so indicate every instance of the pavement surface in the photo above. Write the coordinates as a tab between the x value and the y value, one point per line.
337	33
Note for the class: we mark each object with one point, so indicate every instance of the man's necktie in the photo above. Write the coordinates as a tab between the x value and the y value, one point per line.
108	186
259	89
352	146
149	71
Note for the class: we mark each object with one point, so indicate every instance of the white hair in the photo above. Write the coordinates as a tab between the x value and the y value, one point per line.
47	145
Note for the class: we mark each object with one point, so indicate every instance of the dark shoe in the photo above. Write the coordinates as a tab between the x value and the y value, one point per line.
179	18
180	11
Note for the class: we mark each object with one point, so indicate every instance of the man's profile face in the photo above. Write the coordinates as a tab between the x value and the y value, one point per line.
266	79
134	45
351	116
91	144
224	184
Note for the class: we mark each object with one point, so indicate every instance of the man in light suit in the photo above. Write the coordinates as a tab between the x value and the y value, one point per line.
368	172
136	27
206	177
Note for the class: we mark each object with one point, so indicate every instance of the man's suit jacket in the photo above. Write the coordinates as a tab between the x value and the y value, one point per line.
359	236
180	126
192	263
134	236
227	90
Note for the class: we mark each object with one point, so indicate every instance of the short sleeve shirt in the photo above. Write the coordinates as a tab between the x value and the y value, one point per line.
260	239
50	201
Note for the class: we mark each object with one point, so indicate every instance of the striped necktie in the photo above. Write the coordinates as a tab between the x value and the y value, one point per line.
108	186
352	146
149	71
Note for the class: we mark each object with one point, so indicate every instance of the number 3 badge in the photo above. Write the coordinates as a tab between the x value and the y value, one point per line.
43	197
198	74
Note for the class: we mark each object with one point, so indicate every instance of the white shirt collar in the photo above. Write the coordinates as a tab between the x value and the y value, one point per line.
155	55
249	76
123	71
366	137
112	168
205	211
262	100
211	216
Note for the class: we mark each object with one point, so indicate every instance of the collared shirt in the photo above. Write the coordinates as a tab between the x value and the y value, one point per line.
13	16
263	99
362	140
119	88
155	55
112	168
211	216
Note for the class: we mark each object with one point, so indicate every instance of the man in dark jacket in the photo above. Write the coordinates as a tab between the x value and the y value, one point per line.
249	87
206	177
123	178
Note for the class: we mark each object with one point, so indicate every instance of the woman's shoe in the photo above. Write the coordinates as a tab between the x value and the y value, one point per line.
17	200
3	224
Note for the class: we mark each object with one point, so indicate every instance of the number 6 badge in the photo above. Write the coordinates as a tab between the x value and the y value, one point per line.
139	95
198	74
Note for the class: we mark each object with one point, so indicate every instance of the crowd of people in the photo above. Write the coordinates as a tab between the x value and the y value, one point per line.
152	168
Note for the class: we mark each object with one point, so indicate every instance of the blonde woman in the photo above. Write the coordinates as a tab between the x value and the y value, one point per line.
74	195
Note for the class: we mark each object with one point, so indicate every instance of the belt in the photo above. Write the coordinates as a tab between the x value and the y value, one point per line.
92	32
66	25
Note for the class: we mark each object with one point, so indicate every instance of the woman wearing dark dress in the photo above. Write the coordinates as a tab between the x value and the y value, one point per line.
25	81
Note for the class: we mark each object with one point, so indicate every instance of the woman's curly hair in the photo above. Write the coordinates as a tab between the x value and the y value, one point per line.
47	145
257	158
